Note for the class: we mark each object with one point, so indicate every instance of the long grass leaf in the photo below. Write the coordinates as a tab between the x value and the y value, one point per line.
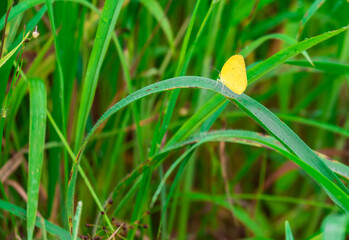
155	9
21	213
267	65
36	148
311	11
105	28
259	113
255	44
106	25
13	51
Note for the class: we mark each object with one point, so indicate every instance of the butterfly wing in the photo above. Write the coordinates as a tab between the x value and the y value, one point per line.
233	74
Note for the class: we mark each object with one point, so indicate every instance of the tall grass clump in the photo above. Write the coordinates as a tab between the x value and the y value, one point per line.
113	124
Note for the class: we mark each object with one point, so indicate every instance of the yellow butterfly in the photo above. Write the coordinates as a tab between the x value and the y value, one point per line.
233	74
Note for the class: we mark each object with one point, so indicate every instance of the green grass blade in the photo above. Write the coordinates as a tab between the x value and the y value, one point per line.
168	173
36	148
18	9
334	227
255	44
77	220
49	4
258	140
242	137
82	173
240	213
274	61
174	95
197	119
25	5
326	66
288	231
59	110
21	213
6	69
286	136
314	123
105	28
185	44
43	228
183	160
311	11
13	51
267	65
106	25
155	9
314	166
306	121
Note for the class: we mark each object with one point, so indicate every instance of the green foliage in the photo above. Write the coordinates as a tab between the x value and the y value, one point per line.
140	131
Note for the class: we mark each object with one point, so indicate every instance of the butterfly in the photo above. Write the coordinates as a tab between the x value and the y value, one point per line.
233	74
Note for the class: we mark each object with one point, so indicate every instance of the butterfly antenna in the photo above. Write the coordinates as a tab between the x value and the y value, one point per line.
215	69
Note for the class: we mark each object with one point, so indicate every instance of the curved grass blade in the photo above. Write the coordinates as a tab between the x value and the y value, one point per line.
247	138
320	125
199	196
173	96
267	65
234	136
197	119
286	137
21	213
306	121
36	148
312	164
258	140
255	44
261	69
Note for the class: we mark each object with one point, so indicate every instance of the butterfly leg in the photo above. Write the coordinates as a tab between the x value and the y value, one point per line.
218	80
